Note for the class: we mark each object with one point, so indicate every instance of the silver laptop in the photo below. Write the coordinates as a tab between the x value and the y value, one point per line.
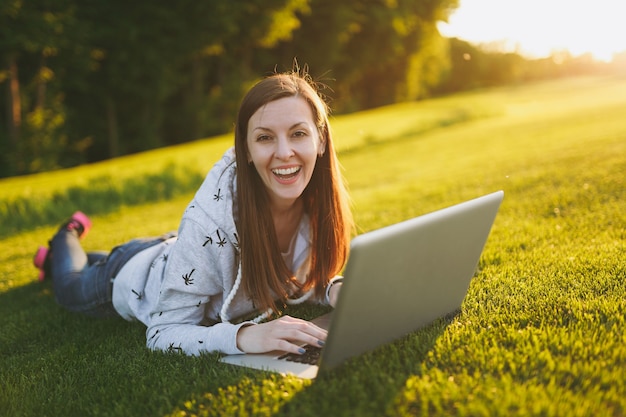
398	279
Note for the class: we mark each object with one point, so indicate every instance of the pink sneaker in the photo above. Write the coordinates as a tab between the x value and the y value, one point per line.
79	222
39	261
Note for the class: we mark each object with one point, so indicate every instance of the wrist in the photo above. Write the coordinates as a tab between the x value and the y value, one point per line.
334	282
240	335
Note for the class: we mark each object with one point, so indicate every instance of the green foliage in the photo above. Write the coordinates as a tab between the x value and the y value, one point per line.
541	332
112	69
104	78
90	80
471	67
46	199
382	51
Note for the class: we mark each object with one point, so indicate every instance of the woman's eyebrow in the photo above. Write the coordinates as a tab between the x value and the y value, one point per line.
304	123
295	125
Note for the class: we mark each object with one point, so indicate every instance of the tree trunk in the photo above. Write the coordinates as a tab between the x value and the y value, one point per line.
197	93
41	85
14	104
114	140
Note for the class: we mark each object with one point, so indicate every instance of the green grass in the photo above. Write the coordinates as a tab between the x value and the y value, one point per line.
541	331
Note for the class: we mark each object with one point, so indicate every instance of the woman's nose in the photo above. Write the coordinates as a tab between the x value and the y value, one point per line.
283	149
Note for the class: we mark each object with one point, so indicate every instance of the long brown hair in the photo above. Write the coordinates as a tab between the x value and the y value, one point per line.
264	273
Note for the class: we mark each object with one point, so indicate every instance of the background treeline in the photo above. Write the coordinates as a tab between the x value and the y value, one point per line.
94	79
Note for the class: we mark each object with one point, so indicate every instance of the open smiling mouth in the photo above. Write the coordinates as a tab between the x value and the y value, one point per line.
286	173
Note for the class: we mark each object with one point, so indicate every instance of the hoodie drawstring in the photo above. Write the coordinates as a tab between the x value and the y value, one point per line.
262	316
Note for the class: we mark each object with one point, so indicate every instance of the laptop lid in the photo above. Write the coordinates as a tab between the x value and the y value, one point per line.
398	279
403	277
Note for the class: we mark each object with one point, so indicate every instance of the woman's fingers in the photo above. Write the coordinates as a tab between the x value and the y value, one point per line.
288	334
298	330
285	334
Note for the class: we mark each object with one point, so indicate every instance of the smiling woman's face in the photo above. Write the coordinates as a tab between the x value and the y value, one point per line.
283	144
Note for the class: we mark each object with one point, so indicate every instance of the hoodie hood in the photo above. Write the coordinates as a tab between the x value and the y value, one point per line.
216	198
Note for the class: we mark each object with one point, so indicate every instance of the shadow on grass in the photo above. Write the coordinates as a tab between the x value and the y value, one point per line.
369	384
103	195
365	385
372	141
59	363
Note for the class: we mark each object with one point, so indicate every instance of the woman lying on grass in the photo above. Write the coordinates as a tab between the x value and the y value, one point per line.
269	226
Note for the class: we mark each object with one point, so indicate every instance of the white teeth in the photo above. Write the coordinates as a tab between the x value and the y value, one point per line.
286	171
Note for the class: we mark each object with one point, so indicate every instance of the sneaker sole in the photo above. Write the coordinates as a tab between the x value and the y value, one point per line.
39	259
82	218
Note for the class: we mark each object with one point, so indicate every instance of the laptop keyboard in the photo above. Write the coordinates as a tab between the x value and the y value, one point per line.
310	357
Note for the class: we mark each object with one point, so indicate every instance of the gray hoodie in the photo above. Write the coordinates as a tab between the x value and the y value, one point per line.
187	289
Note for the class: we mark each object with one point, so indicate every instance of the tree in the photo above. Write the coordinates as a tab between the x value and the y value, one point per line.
93	79
380	51
170	71
31	35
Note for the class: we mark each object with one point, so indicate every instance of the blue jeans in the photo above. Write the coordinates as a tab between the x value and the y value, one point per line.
83	282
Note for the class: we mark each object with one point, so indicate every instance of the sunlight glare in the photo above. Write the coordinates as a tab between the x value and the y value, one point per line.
538	28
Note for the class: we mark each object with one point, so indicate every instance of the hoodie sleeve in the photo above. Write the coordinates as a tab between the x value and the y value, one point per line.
192	279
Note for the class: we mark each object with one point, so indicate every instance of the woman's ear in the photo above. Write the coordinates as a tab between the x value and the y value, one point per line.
323	135
322	149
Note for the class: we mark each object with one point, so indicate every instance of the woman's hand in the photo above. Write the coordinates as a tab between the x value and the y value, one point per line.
285	333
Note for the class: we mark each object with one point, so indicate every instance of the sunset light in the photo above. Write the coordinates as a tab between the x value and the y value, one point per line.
539	28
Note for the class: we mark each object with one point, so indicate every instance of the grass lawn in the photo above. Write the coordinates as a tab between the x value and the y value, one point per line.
541	331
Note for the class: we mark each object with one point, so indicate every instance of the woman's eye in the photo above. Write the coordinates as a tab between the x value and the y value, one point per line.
263	138
299	134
